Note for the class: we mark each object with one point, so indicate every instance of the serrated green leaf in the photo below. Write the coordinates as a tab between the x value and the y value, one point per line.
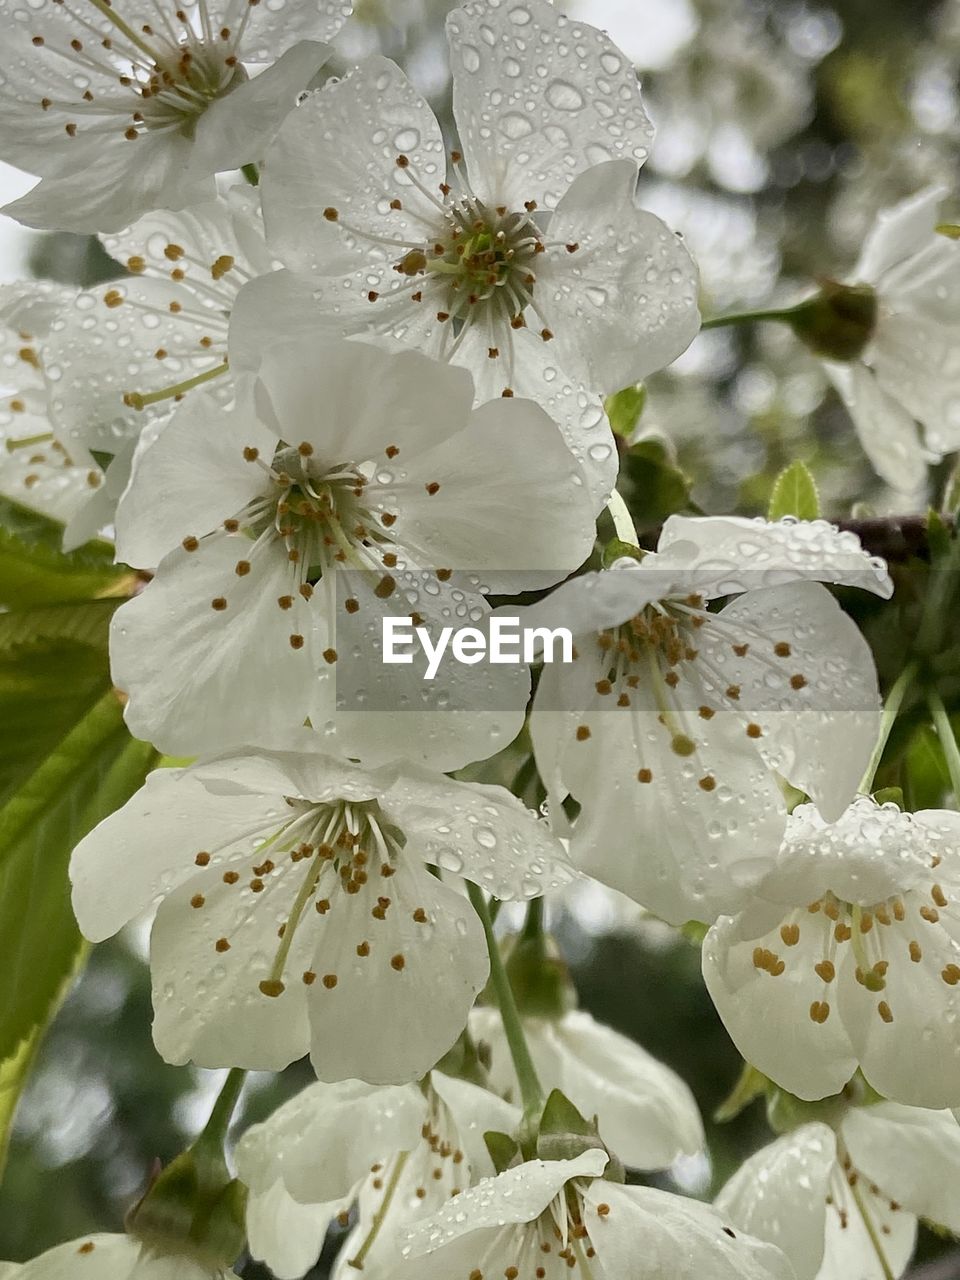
91	771
83	622
794	494
34	570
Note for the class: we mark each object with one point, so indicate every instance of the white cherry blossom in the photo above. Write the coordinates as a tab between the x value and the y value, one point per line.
671	724
297	911
843	1201
644	1110
122	106
849	956
293	531
547	1219
115	1257
398	1153
532	265
903	392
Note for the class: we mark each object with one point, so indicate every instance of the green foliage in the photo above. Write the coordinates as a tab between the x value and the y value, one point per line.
34	571
794	494
625	408
653	485
66	761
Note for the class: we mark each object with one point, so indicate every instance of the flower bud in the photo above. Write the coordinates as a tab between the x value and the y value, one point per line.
838	322
194	1208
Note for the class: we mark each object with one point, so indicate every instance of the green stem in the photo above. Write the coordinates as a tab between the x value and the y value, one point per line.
891	709
251	173
533	924
947	738
215	1130
748	317
530	1087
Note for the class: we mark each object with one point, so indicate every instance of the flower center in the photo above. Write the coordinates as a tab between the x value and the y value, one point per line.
184	82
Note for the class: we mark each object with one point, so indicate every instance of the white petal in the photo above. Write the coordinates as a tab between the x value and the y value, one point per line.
850	1249
913	360
338	150
645	1110
518	1195
287	1236
208	1006
485	514
912	1154
819	736
398	1005
780	1195
189	479
352	401
564	94
237	128
625	303
768	1015
213	675
726	554
171	819
353	1124
116	1257
897	234
475	1111
270	29
481	832
886	430
593	601
687	836
681	1238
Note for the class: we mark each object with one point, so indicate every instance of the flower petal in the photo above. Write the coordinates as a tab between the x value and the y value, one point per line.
780	1195
565	94
287	1236
624	304
887	432
769	1012
353	1124
807	681
897	234
338	151
481	832
387	1016
723	555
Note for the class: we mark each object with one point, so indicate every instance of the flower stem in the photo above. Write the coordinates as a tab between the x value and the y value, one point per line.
948	740
215	1130
891	709
533	925
530	1087
748	317
622	520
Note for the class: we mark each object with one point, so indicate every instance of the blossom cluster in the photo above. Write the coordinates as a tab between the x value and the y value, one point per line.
350	373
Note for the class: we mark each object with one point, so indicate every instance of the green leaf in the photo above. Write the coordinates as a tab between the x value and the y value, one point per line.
794	494
653	486
85	622
502	1149
625	408
90	772
34	570
561	1116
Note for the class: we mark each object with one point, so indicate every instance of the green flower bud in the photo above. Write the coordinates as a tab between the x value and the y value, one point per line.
838	323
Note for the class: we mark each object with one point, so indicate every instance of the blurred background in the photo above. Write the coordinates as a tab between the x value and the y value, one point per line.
782	128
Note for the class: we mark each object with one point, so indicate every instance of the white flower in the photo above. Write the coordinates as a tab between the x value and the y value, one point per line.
903	392
672	722
298	913
132	105
850	956
533	266
398	1152
115	1257
35	468
298	531
835	1200
546	1218
643	1108
93	372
